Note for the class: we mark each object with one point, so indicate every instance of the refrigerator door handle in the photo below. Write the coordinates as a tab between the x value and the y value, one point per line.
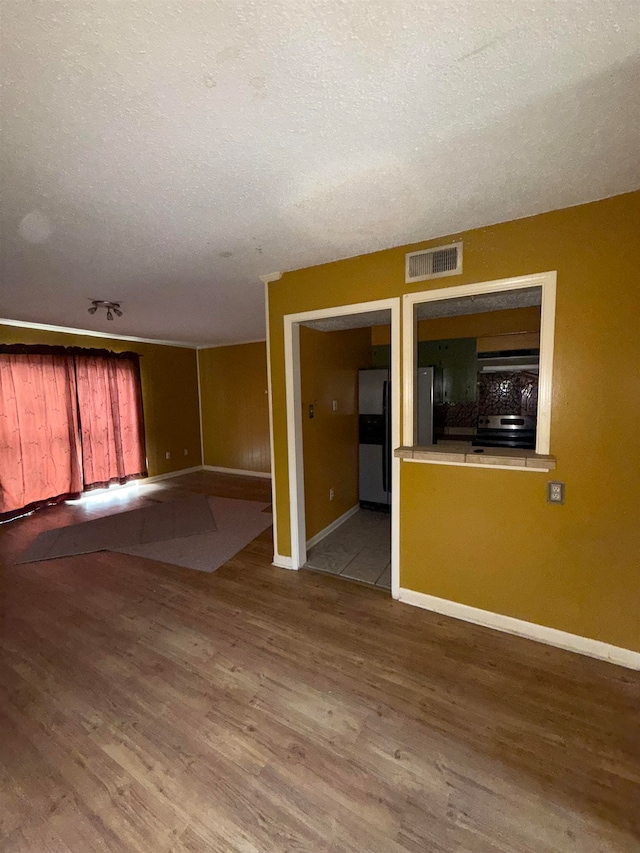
385	436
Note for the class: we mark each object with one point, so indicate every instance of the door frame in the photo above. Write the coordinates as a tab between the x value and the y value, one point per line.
292	324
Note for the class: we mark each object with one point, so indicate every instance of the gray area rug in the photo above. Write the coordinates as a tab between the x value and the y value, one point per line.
237	523
177	519
196	532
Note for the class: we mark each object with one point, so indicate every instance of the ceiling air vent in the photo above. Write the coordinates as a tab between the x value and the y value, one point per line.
433	263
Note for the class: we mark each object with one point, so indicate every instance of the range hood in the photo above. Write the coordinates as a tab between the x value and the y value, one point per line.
505	361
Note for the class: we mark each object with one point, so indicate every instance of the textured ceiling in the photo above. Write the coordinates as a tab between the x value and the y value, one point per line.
165	154
351	321
524	297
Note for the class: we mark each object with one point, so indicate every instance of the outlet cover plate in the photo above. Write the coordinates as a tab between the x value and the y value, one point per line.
555	492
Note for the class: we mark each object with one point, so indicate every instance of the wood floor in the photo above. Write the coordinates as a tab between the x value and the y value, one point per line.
145	707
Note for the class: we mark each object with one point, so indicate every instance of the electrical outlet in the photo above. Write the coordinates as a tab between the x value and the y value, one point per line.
186	452
167	454
332	494
334	406
555	492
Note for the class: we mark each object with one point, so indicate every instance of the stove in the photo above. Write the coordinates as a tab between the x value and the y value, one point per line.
506	431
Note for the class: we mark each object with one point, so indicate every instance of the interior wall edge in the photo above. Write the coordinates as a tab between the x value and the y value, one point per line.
199	381
333	526
521	628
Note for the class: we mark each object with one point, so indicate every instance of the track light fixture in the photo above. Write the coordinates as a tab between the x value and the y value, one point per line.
111	308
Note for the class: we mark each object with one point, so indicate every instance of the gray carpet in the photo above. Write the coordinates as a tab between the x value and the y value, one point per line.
177	519
196	532
237	523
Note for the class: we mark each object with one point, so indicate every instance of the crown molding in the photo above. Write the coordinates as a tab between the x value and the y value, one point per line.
269	277
201	347
45	327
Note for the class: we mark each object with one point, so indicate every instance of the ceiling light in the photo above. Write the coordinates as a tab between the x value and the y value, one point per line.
109	306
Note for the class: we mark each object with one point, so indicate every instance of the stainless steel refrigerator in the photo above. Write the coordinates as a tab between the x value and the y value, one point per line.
425	388
374	406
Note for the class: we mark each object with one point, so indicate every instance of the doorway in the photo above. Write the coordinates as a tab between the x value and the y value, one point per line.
359	549
357	536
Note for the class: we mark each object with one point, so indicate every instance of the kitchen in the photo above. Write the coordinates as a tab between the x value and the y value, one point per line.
499	408
476	385
477	368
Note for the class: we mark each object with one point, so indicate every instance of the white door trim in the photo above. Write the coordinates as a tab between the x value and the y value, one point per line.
546	281
294	424
278	559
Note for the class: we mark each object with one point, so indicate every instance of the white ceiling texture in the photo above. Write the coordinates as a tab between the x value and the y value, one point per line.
165	153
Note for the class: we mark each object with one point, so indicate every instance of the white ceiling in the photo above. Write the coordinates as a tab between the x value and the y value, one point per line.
165	153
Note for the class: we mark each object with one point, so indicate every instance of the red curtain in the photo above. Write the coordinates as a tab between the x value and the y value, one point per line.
69	419
39	441
112	429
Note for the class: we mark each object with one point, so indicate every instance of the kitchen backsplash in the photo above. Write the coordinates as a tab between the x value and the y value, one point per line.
498	394
508	393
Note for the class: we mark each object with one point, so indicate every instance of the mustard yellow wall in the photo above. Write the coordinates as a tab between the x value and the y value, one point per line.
235	407
169	392
487	324
492	541
329	364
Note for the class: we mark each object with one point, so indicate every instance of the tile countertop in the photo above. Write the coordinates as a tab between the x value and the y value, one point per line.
503	457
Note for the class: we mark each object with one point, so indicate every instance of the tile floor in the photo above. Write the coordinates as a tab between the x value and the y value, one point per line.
360	549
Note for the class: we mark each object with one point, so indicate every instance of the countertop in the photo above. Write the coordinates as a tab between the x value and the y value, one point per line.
451	454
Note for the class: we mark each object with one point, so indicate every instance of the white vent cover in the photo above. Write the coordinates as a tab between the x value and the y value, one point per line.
433	263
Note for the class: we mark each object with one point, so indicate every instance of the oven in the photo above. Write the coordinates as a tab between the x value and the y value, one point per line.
506	431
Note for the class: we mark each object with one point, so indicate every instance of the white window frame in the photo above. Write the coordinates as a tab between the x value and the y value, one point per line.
546	281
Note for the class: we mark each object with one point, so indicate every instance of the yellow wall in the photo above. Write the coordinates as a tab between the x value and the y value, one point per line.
487	324
329	364
169	392
492	541
235	407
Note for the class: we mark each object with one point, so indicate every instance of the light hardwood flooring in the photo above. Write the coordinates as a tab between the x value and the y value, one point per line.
145	707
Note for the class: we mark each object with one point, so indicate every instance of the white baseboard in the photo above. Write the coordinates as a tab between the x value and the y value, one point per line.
282	562
333	526
239	472
510	625
179	473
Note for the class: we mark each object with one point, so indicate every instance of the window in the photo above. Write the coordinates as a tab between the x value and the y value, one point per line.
70	419
478	367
